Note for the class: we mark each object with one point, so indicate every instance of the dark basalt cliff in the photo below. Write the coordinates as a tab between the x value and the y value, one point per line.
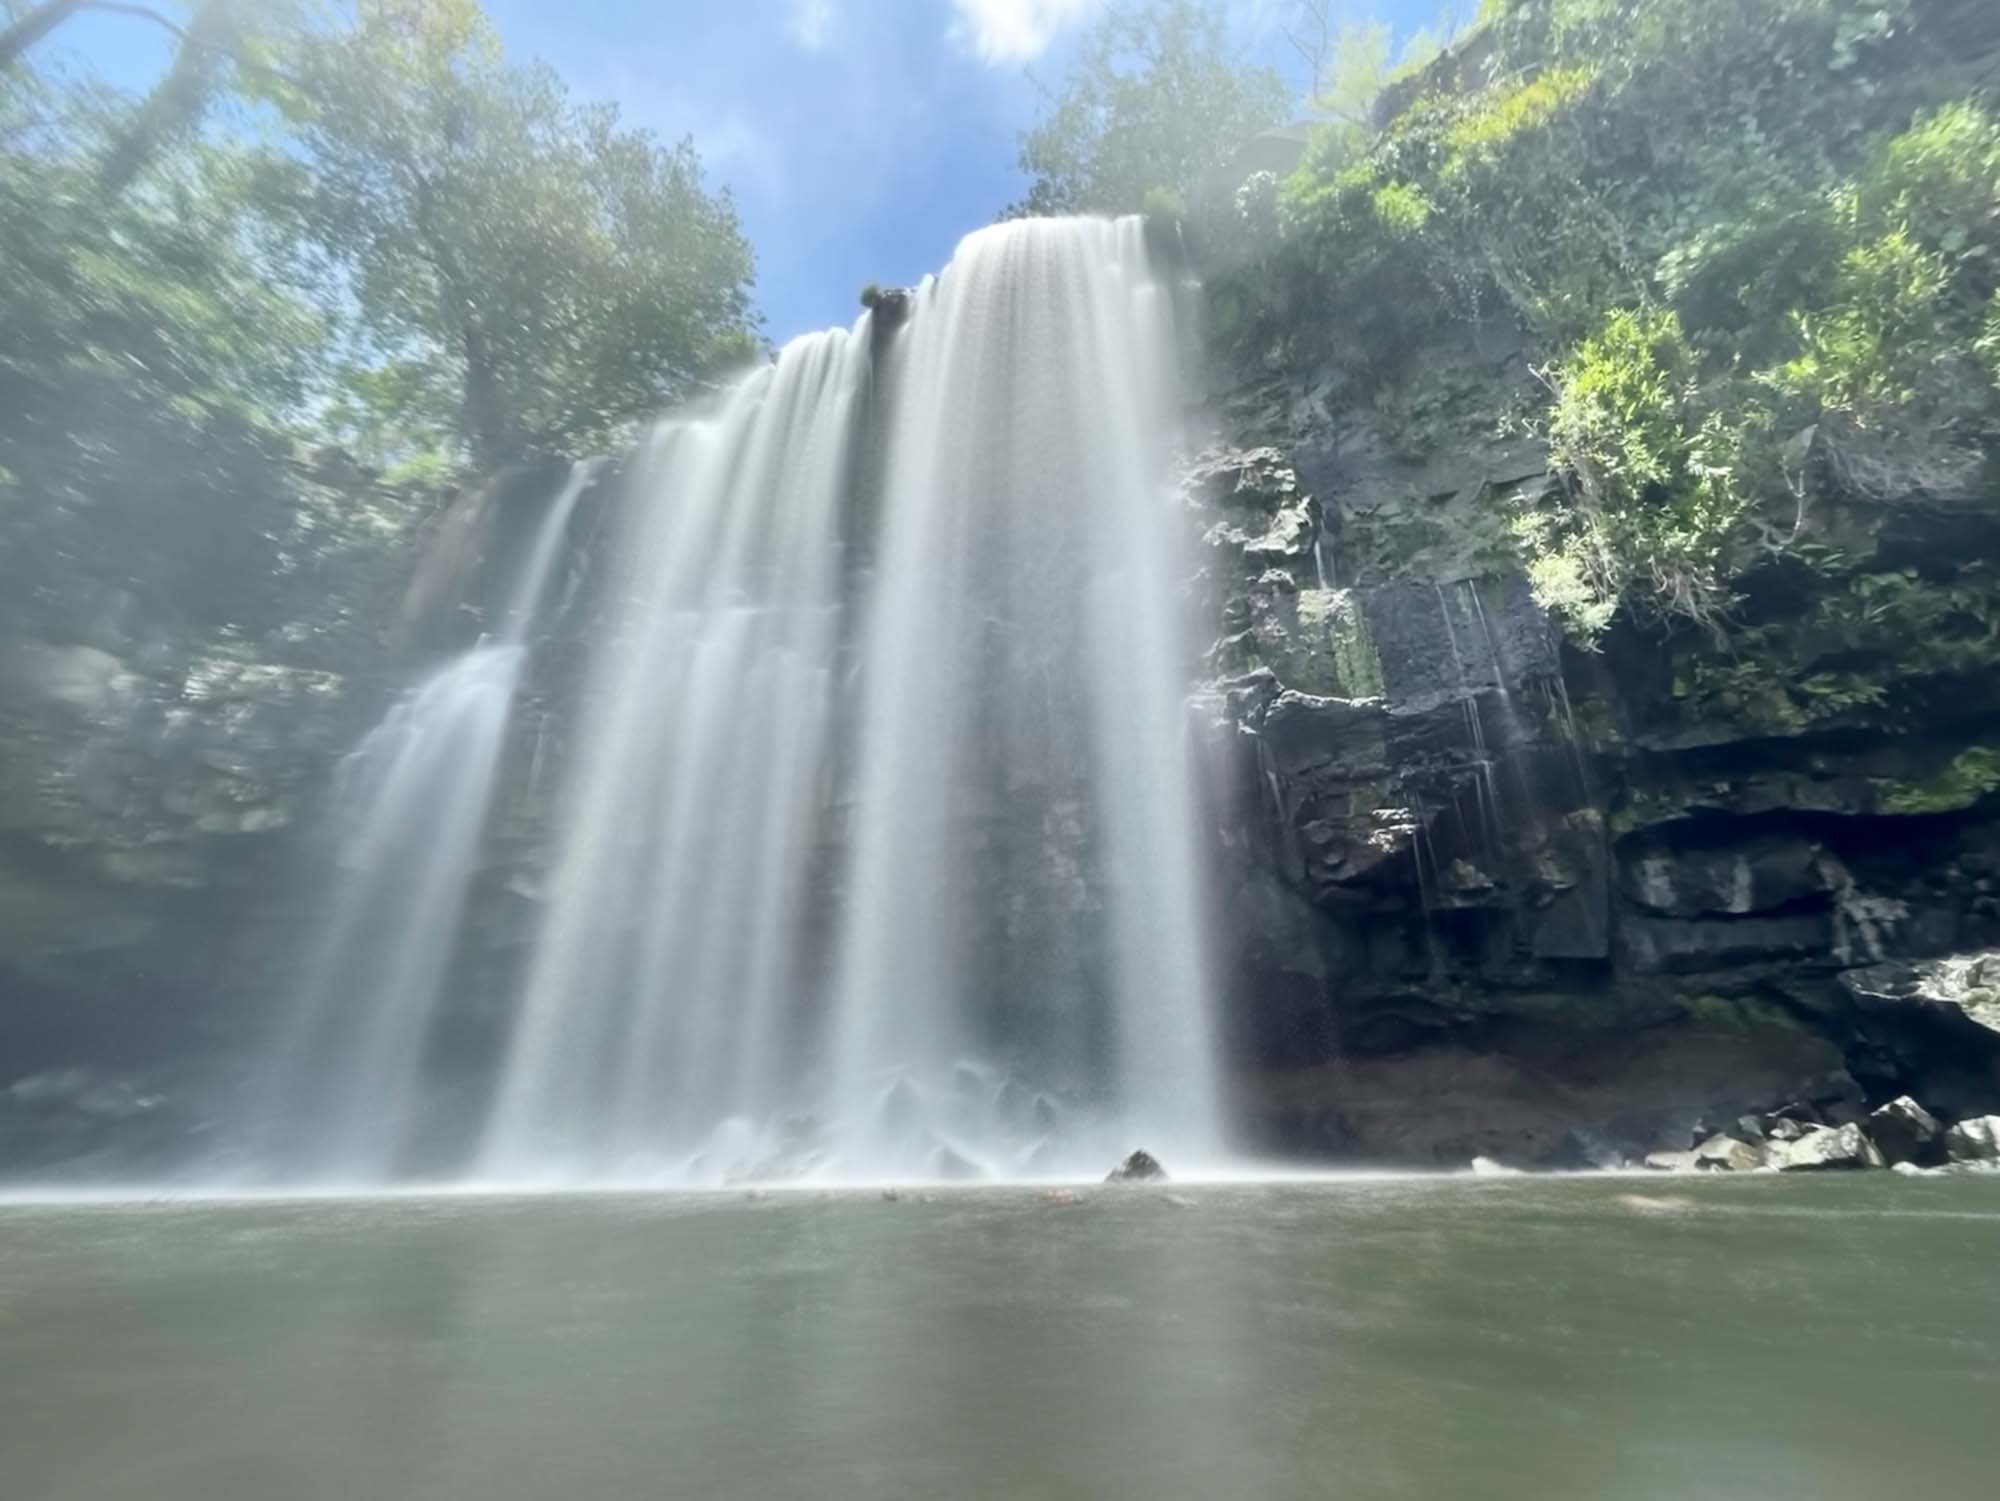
1487	894
1480	893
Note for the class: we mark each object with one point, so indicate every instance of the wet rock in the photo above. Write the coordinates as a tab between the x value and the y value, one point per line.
890	305
1966	985
1256	478
1735	881
1695	946
1140	1167
1906	1132
1975	1140
1826	1148
1726	1154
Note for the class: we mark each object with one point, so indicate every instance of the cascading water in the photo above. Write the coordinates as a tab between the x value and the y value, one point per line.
876	852
1024	880
343	1094
659	999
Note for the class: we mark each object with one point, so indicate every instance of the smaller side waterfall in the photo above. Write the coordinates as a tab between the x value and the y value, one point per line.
412	806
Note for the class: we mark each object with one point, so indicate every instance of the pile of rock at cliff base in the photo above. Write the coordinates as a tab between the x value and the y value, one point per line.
1902	1135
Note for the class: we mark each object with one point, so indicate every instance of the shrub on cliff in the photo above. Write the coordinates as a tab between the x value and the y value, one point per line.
1718	221
1654	471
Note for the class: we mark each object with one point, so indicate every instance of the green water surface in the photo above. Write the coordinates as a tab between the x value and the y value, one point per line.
1752	1339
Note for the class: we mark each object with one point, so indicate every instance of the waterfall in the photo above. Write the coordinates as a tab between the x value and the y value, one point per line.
343	1093
876	852
670	951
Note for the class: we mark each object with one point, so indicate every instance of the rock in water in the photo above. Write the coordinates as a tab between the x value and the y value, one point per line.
1826	1147
1975	1140
1140	1167
1906	1132
1721	1153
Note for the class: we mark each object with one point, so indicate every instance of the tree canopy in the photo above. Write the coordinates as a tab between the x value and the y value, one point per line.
1153	102
354	223
565	274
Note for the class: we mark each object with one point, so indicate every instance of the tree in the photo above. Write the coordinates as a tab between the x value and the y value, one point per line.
568	275
221	36
218	37
37	23
151	365
1154	102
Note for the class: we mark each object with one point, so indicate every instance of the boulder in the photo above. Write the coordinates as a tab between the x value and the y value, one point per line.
1975	1140
1906	1132
1140	1167
1726	1154
1826	1148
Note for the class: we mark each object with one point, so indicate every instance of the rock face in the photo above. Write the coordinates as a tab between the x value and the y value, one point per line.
1479	894
161	789
1484	894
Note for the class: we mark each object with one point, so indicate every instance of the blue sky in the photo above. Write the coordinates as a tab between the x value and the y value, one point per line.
861	138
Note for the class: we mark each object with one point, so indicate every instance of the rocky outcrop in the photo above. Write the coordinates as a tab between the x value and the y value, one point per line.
1486	894
1139	1167
159	785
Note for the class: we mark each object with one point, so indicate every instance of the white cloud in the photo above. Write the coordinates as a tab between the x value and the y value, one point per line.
810	23
1016	31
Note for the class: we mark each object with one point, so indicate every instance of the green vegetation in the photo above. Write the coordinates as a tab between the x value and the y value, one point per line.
1721	223
354	224
1868	642
1153	103
566	275
1970	776
1331	619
